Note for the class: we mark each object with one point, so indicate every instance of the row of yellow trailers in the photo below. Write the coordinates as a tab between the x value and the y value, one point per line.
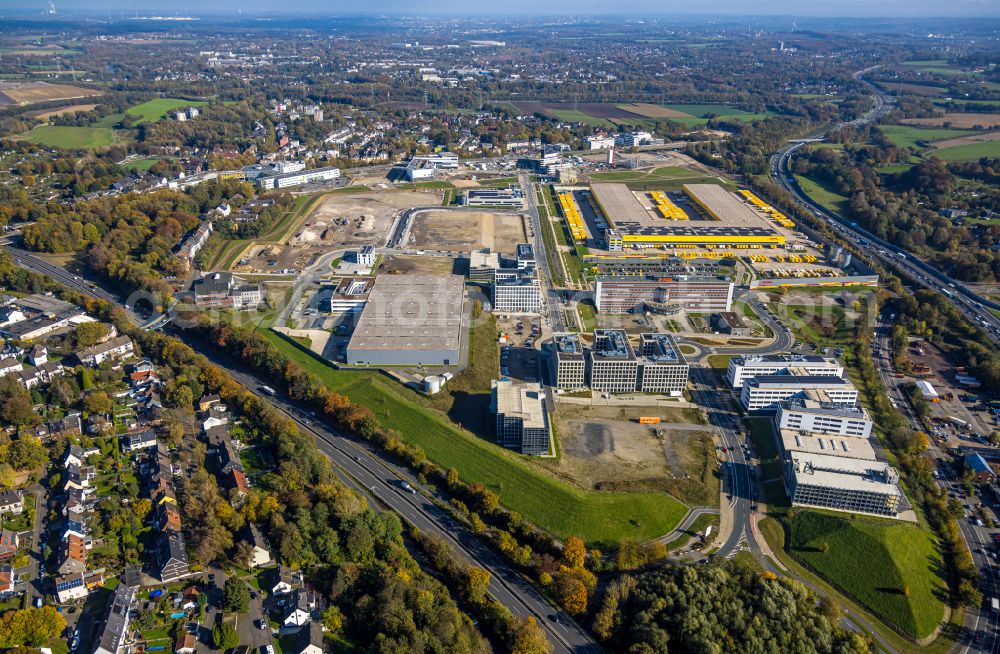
792	258
666	207
774	214
573	216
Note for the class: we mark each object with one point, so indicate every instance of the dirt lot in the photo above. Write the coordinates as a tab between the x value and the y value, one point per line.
606	448
49	113
654	111
274	258
419	265
966	140
351	220
957	120
31	92
464	231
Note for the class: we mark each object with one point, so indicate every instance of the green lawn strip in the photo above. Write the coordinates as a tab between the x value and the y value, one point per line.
907	136
588	315
676	184
968	152
823	195
143	164
437	184
60	136
109	121
550	504
888	566
698	526
158	108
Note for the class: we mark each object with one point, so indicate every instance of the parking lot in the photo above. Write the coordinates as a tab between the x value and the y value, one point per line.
518	357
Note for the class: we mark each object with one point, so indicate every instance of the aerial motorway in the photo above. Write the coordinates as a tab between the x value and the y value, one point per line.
376	476
969	303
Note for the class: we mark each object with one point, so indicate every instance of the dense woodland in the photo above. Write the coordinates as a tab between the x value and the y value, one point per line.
690	609
904	207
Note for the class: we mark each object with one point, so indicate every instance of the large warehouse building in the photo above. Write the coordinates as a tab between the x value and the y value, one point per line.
410	320
729	222
632	293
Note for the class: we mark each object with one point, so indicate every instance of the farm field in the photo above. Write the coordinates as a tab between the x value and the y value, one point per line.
939	66
905	136
970	151
927	90
157	109
49	113
598	517
957	120
898	578
963	101
32	92
57	136
144	163
600	114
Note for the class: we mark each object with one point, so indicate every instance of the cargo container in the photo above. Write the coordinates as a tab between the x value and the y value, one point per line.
649	420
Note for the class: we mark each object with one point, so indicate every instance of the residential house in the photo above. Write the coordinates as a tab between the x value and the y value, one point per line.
298	612
310	641
208	401
73	557
172	559
115	628
68	426
260	555
7	580
77	455
38	355
139	440
10	366
8	544
185	643
115	348
285	581
11	501
70	587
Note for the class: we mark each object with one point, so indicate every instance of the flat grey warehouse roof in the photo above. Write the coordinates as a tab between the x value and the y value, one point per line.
411	312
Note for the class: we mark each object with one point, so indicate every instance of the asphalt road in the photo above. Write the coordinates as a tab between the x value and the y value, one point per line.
384	480
969	303
549	293
978	620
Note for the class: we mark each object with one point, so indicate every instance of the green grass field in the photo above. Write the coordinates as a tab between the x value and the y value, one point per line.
826	197
574	116
890	567
599	518
895	168
143	164
58	136
905	136
157	109
699	112
991	103
970	152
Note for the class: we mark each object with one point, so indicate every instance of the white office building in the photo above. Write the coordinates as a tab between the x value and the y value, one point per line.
522	421
841	483
748	367
766	391
809	415
598	142
424	166
516	291
569	366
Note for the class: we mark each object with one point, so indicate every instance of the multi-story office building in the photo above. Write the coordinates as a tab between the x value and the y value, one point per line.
628	294
808	415
569	366
614	367
516	291
842	484
524	254
521	419
744	368
662	368
766	391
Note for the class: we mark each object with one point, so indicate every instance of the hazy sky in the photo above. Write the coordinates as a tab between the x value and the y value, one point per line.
845	8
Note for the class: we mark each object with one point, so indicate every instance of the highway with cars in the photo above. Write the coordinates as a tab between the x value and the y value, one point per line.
384	481
981	623
969	303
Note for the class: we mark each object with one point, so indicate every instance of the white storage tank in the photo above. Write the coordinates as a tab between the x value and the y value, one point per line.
432	384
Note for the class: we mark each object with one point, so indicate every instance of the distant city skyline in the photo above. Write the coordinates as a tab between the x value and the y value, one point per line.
791	8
